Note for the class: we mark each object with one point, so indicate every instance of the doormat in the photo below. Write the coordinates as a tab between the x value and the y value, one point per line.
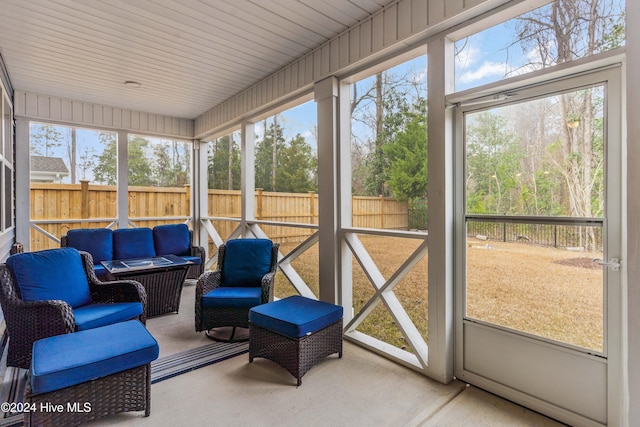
190	360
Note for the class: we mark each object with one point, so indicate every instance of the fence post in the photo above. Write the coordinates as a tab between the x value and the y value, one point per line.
312	208
504	231
381	212
259	204
84	198
187	188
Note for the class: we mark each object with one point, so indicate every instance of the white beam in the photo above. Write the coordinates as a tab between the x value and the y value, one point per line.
123	179
201	192
248	174
345	273
632	329
440	274
23	192
326	95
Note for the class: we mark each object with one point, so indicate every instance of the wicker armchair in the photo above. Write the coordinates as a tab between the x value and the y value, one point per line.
244	279
28	320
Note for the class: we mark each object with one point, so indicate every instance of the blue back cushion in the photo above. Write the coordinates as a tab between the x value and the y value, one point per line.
51	274
172	239
133	243
246	261
97	241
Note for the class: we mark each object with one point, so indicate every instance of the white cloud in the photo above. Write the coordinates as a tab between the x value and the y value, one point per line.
466	57
486	70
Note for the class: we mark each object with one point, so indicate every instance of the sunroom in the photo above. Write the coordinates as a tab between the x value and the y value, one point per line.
457	175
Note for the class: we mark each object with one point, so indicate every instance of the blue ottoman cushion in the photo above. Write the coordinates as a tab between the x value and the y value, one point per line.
97	315
295	316
53	274
66	360
233	297
131	243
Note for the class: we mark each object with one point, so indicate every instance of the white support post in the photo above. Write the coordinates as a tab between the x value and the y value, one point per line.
123	180
631	226
345	213
326	96
248	174
440	274
201	208
23	199
194	188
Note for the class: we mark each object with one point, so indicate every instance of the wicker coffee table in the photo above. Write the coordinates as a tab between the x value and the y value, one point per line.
162	278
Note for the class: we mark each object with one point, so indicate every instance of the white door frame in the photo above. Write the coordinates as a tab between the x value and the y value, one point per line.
502	361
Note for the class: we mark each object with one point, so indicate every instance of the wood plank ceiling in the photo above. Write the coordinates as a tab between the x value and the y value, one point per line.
189	55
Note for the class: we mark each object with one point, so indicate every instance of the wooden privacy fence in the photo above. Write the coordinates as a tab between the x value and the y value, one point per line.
56	208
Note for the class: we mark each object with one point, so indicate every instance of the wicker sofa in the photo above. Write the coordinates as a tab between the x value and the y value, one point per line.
105	244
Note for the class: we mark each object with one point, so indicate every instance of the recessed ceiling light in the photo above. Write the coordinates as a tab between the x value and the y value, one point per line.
130	83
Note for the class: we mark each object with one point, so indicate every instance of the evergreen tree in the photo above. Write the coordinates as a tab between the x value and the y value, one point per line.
407	155
163	168
106	170
139	167
296	167
493	162
264	164
218	164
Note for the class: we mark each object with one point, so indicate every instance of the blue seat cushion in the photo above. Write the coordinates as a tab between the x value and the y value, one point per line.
133	243
194	259
295	316
172	239
65	360
97	241
51	274
233	297
246	261
97	315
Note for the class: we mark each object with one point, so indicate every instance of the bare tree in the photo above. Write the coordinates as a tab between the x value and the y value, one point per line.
564	31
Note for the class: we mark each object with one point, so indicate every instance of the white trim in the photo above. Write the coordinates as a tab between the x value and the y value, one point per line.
247	175
481	366
396	28
23	192
52	109
328	99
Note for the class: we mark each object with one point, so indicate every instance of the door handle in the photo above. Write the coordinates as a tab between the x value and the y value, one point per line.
613	263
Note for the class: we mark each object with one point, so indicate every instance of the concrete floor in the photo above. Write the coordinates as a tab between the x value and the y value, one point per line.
361	389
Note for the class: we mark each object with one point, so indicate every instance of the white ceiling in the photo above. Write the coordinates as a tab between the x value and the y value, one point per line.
189	55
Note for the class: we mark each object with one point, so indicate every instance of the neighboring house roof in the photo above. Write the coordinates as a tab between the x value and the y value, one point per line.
48	164
48	169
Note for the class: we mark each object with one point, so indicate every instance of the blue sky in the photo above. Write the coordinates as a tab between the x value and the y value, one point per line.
486	59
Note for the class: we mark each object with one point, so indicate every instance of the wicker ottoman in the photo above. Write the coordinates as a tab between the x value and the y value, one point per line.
78	377
295	332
